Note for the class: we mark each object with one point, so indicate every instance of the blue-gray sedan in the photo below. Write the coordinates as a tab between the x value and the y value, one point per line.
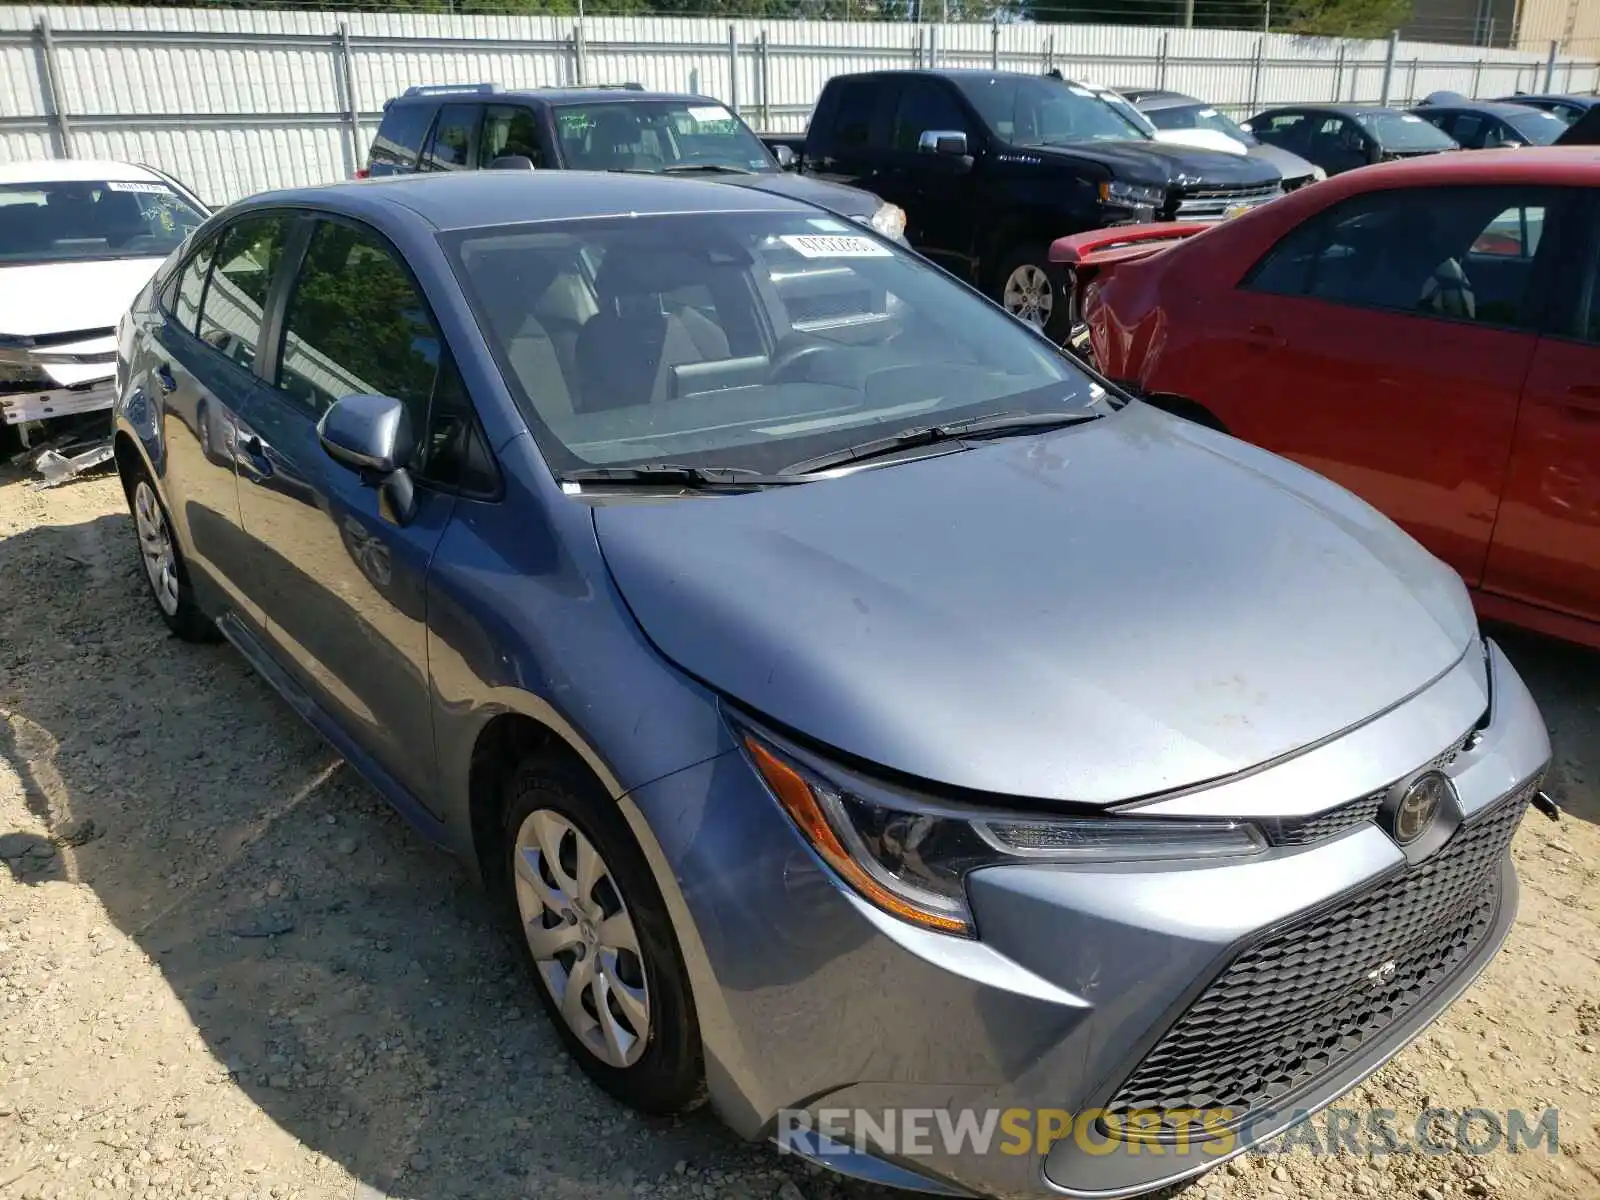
960	773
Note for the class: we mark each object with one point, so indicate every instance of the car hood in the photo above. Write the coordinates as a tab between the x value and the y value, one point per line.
1286	162
848	201
1164	163
1107	612
43	299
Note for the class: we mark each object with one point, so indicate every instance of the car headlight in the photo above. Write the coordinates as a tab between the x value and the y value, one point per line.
910	856
1318	174
1115	191
890	221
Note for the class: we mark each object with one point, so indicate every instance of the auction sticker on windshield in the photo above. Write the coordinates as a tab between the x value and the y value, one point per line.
817	245
152	189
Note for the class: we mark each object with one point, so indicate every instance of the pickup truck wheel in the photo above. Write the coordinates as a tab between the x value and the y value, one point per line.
1032	288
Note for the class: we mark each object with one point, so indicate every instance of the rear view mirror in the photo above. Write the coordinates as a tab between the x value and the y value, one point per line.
785	157
372	435
951	143
512	162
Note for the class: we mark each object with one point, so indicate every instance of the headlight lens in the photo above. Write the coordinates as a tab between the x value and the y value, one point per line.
1115	191
1318	174
911	858
890	221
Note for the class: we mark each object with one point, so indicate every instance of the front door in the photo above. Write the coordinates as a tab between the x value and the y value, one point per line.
932	189
1385	345
1546	547
345	586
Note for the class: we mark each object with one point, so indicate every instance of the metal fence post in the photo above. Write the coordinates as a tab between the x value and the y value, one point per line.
1255	75
52	86
764	81
352	114
694	81
1477	77
1161	62
580	54
994	46
1049	52
933	47
1550	68
1411	80
1338	72
1388	68
733	68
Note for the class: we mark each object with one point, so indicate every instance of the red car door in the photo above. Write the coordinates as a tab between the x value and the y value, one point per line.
1546	547
1384	344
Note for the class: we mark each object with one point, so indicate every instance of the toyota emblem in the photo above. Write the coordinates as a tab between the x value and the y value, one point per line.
1417	805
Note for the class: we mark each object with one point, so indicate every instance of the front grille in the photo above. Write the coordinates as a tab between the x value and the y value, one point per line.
1212	204
1301	831
1301	1003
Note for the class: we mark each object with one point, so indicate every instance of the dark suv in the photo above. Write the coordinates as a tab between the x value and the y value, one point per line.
462	127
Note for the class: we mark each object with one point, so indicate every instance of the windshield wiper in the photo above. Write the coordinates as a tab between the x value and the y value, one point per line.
718	168
973	428
660	474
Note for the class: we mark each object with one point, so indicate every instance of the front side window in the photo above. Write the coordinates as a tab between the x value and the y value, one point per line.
657	135
509	130
451	149
78	220
1031	110
1439	252
925	105
236	298
755	340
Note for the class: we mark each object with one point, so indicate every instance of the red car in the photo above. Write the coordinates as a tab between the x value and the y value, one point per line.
1426	333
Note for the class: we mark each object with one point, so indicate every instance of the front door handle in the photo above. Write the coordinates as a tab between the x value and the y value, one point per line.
255	452
1264	337
165	378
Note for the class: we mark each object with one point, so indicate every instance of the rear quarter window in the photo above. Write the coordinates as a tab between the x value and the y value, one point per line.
399	142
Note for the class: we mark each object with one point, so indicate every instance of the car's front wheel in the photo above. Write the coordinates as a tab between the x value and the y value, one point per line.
1036	291
163	564
599	941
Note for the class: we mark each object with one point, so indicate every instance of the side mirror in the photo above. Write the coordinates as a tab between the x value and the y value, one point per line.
785	157
512	162
1374	152
372	435
951	143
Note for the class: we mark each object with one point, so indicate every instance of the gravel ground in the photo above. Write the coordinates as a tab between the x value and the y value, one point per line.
227	970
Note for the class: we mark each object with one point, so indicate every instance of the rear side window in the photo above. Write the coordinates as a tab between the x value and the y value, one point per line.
399	142
1460	253
192	284
1284	129
453	137
236	298
852	120
509	130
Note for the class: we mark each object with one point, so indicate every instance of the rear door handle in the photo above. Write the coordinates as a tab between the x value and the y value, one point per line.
164	377
1583	399
255	450
1264	337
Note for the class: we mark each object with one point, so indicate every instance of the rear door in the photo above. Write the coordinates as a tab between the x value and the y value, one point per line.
1378	345
1546	547
453	144
346	586
932	189
511	130
848	139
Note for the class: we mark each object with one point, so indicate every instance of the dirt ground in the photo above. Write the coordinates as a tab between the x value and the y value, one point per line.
228	970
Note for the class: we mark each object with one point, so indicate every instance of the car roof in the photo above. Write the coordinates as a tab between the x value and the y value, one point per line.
62	170
1493	108
1584	101
479	199
1555	165
1155	99
466	93
1340	110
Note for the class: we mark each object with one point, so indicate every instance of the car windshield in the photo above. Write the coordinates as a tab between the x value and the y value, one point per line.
1028	110
71	220
751	340
1199	116
657	135
1539	128
1404	131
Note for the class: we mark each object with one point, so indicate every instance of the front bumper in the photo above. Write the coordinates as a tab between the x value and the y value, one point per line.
17	407
813	1003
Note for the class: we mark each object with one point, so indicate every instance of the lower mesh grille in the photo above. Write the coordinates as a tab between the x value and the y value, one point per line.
1296	1006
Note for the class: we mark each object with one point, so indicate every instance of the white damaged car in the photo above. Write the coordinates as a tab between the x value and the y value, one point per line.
78	240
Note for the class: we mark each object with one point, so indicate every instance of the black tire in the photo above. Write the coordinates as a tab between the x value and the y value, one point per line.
183	617
668	1078
1035	257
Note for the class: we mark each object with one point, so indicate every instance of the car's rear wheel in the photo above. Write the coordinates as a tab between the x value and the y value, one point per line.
1036	291
163	564
599	941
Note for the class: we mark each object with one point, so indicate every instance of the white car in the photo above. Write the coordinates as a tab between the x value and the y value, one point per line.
78	240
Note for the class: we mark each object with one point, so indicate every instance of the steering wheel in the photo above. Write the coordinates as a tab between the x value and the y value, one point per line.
792	357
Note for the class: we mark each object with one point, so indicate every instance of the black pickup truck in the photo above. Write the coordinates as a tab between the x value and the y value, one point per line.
990	167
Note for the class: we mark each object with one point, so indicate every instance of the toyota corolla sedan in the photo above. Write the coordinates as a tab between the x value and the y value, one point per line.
856	706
